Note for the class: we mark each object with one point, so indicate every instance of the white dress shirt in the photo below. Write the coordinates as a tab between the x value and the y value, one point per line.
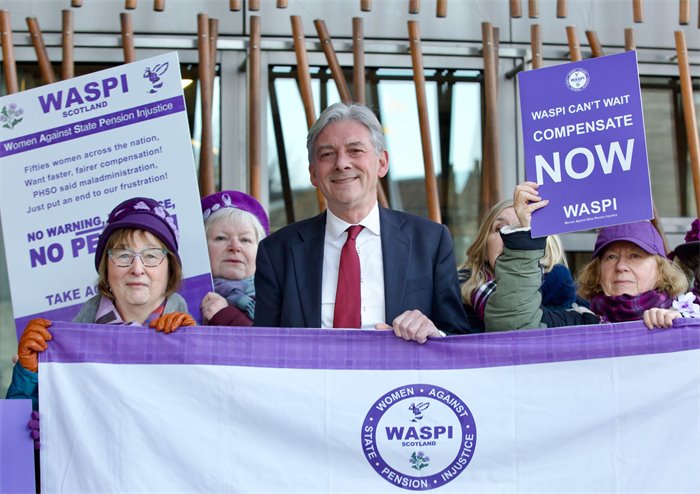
369	249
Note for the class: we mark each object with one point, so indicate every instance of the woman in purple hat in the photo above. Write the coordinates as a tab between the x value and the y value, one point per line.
687	255
139	271
234	223
628	278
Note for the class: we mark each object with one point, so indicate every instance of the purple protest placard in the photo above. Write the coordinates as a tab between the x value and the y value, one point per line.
583	131
16	447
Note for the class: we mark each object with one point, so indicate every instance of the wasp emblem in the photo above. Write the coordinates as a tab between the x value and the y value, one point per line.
154	76
418	410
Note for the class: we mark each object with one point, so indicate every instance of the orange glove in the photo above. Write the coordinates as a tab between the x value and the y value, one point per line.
168	323
33	340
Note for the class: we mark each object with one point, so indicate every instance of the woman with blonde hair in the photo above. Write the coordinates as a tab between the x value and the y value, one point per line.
477	273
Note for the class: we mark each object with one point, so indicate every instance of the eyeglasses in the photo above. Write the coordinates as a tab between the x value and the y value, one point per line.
123	258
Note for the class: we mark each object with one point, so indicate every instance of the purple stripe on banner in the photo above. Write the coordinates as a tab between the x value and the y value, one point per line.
91	126
356	349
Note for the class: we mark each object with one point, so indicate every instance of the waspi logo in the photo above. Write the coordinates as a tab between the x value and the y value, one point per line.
577	79
419	436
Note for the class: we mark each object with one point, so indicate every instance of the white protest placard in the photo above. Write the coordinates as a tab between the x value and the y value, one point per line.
73	150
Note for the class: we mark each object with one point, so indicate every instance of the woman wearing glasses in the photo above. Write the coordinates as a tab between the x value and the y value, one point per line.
139	271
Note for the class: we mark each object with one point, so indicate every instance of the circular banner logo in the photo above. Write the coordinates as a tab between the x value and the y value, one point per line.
419	436
577	79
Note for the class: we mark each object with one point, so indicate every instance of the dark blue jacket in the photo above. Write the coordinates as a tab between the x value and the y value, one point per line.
419	273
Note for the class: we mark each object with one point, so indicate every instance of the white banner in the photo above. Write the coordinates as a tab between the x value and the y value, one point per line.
591	409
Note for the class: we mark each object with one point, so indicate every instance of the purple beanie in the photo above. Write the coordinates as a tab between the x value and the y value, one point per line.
140	213
641	233
689	251
237	200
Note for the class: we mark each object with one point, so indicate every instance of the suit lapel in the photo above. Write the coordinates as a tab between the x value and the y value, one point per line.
396	251
308	268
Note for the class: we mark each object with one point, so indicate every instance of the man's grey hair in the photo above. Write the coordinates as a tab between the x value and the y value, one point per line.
340	111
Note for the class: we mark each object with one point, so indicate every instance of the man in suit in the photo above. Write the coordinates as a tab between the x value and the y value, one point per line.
408	277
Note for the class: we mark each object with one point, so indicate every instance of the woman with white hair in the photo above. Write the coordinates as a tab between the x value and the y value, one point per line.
234	223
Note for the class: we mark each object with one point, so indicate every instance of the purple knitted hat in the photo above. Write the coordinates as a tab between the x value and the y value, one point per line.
140	213
641	233
689	251
238	200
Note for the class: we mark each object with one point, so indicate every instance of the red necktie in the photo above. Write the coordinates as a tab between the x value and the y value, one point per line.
347	296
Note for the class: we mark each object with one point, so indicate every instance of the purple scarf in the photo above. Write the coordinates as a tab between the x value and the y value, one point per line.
623	308
240	293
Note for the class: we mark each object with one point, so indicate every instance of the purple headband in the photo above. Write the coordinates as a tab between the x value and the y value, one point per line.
140	213
237	200
641	233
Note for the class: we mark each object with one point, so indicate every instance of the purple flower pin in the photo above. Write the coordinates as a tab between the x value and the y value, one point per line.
685	304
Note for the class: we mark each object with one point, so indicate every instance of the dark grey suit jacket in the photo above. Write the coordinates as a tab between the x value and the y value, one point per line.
419	273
